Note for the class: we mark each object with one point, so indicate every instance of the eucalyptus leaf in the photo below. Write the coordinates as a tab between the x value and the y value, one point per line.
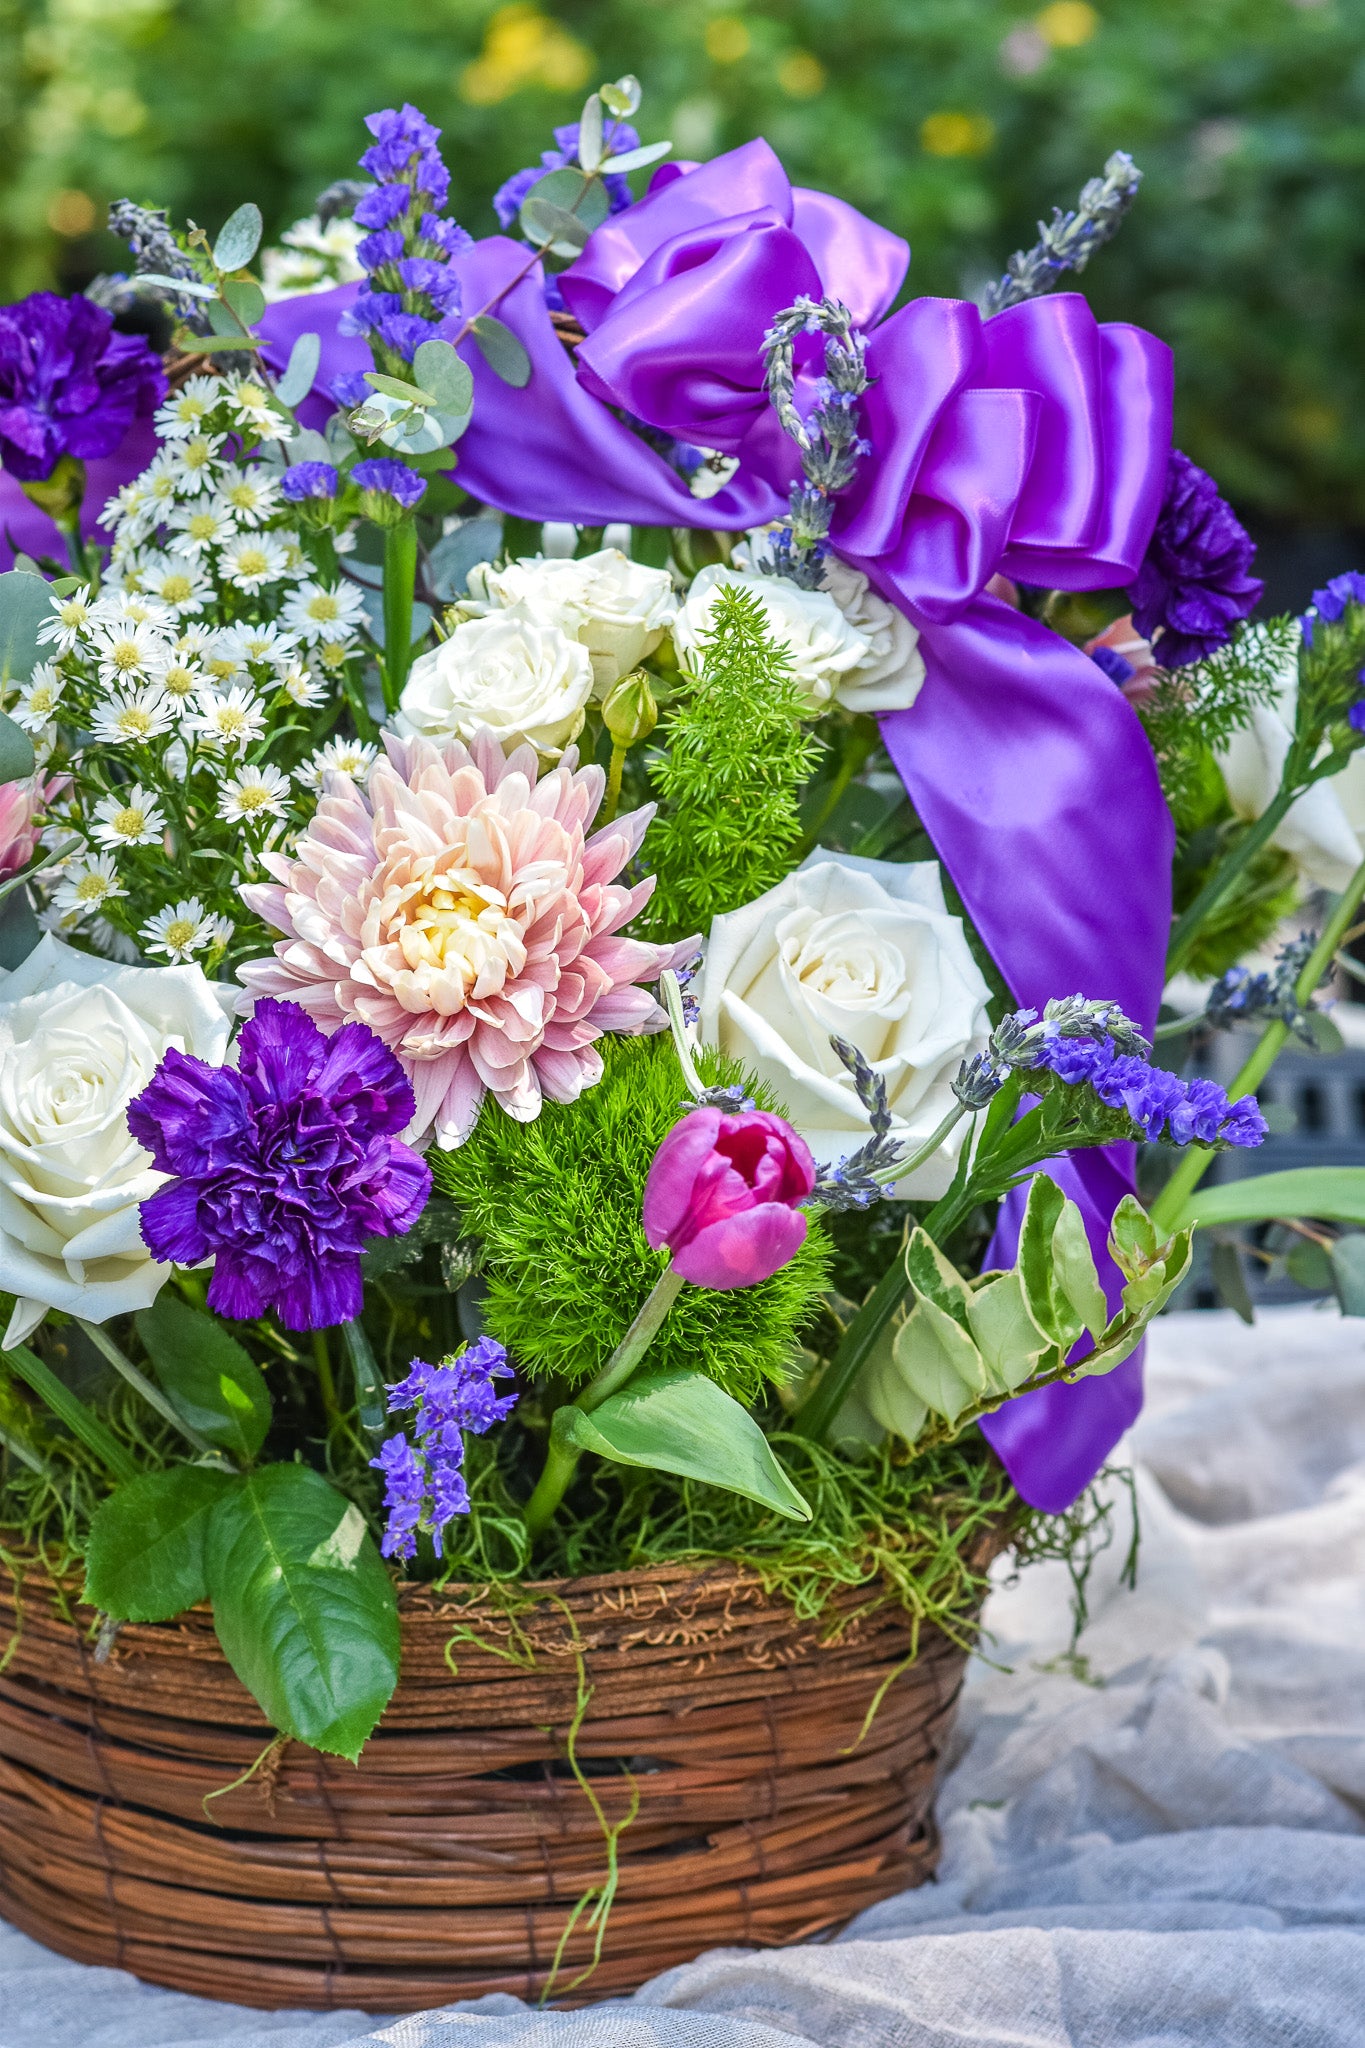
1229	1278
222	319
20	930
307	445
452	558
189	285
25	605
622	98
214	344
585	198
212	1382
501	350
303	1606
590	133
551	227
1348	1273
395	387
246	299
678	1421
239	237
636	159
302	367
17	757
145	1557
441	369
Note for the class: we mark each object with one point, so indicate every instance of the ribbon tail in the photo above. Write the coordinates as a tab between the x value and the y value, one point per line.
1035	781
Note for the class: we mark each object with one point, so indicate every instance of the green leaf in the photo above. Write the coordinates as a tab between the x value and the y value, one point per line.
1006	1335
303	1606
1230	1280
395	387
585	198
590	133
239	237
190	285
1055	1315
552	227
932	1275
441	369
501	350
1334	1193
1348	1273
36	1373
145	1559
1133	1237
17	758
25	603
222	319
211	1380
302	367
213	344
938	1361
636	159
246	299
1309	1266
885	1392
622	98
678	1421
652	545
1074	1271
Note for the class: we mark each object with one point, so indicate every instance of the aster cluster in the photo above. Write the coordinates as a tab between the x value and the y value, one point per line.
424	1482
1195	584
405	253
827	436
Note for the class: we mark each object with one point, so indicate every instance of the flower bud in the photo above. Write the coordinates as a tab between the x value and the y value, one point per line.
724	1193
59	494
389	490
629	711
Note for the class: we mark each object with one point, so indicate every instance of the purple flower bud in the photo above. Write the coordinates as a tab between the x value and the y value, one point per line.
724	1194
382	206
309	480
383	477
378	249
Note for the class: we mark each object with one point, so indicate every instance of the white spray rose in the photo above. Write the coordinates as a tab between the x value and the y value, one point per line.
824	647
1317	830
865	950
618	609
889	678
79	1038
509	673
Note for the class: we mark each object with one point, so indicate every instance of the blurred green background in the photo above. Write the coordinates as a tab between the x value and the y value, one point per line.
955	121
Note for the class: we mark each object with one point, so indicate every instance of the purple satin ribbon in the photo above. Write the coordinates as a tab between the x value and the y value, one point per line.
1033	445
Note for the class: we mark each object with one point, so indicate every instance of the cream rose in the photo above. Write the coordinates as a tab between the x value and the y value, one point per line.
618	609
824	647
509	673
890	676
79	1038
861	949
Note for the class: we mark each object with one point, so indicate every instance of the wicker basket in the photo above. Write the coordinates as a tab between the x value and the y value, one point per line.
451	1861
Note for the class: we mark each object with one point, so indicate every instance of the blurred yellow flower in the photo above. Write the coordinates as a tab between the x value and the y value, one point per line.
1066	24
523	47
726	39
71	213
956	134
801	76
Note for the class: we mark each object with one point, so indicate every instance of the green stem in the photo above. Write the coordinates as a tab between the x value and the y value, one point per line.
87	1428
140	1383
561	1464
1190	922
69	526
854	759
322	1360
369	1381
1171	1201
619	750
400	578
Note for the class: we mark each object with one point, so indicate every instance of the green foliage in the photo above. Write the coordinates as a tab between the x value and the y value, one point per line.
1194	711
212	1382
736	759
555	1207
145	1559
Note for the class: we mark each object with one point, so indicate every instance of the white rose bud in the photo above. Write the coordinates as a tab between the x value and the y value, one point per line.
823	646
508	673
861	949
618	609
890	677
79	1038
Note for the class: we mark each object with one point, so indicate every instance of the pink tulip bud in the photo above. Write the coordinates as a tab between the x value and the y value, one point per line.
724	1195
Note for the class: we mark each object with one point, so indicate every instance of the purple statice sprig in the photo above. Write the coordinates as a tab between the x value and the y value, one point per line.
828	436
410	289
389	490
1332	669
424	1482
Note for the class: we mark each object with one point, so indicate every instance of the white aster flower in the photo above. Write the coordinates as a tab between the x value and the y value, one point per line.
218	930
133	717
127	509
254	793
86	885
70	616
324	613
265	641
178	582
196	529
251	561
195	462
130	608
250	495
181	678
195	640
300	685
252	404
296	562
127	650
124	573
341	757
185	411
233	718
161	483
128	818
39	698
178	931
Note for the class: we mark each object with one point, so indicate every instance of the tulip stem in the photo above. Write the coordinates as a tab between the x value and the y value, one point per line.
400	577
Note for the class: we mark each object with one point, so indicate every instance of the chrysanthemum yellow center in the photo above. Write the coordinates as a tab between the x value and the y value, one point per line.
91	888
323	608
230	721
179	682
458	940
125	655
254	797
202	525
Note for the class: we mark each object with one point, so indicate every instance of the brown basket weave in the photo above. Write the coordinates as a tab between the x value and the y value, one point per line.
450	1862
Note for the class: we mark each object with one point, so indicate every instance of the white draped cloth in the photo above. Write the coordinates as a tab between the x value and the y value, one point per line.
1154	1842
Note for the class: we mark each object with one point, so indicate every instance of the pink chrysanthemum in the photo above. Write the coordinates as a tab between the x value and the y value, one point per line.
455	906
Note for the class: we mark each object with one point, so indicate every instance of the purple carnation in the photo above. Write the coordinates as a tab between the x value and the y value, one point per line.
69	385
379	208
1194	585
309	480
425	1487
392	478
283	1166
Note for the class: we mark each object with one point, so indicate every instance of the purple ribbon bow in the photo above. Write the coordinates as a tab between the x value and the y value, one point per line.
1033	445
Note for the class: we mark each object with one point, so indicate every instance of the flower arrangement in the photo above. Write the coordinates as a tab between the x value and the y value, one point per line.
552	835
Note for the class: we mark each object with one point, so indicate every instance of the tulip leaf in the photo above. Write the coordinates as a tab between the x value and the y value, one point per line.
674	1420
303	1606
501	350
25	604
210	1380
145	1557
239	237
302	367
1336	1194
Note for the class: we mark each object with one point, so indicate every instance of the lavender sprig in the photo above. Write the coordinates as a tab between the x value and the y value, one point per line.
1239	996
147	231
829	438
859	1179
1068	240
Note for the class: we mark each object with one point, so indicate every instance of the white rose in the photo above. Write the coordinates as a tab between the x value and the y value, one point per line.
865	950
1316	831
891	675
823	646
79	1038
509	673
618	609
